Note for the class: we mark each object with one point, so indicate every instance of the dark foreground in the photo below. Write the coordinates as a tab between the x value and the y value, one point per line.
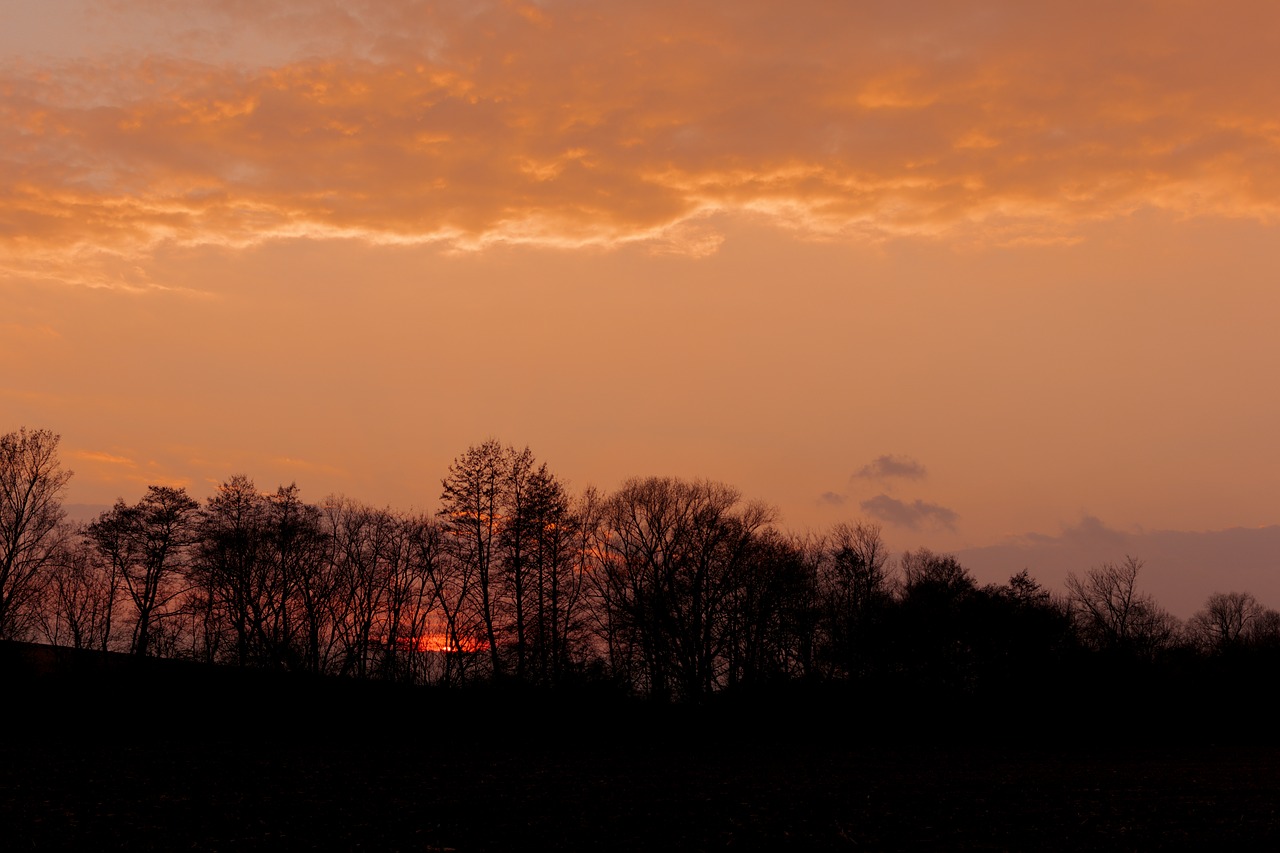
121	763
234	796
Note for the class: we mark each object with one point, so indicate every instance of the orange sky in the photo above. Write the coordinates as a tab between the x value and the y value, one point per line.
972	268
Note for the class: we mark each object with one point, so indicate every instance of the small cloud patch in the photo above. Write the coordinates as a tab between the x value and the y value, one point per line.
910	515
890	467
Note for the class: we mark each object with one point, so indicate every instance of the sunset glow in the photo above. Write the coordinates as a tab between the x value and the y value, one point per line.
440	642
985	273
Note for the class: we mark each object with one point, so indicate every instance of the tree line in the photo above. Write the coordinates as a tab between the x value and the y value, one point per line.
667	588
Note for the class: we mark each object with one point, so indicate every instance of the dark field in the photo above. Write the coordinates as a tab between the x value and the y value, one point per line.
180	761
229	796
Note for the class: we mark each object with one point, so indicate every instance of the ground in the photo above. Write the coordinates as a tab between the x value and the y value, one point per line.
415	793
167	757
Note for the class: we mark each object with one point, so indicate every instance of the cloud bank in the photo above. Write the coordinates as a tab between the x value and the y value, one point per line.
574	124
1181	568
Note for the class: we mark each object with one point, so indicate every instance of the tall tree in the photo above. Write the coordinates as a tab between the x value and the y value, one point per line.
232	567
296	546
408	600
855	587
455	635
557	623
148	543
675	560
32	534
471	508
300	548
360	556
774	619
931	626
517	535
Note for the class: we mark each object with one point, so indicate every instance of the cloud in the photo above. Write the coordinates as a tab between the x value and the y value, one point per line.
886	467
103	457
909	515
1181	568
570	125
116	469
1090	531
833	499
40	332
306	465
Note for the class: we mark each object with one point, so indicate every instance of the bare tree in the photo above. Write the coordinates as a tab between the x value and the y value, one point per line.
1023	589
456	631
362	570
80	599
775	618
232	570
1227	620
675	557
559	558
414	613
300	549
32	535
472	505
517	535
148	544
860	561
923	571
854	586
1264	632
1111	614
409	549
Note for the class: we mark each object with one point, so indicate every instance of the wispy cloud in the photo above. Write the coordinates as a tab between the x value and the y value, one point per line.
569	125
909	515
305	465
117	468
30	333
105	458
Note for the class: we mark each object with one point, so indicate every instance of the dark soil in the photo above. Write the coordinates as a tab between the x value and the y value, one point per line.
131	763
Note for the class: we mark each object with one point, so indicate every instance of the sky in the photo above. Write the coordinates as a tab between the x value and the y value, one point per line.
990	274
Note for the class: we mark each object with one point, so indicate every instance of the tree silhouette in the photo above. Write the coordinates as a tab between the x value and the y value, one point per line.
148	544
79	599
232	570
932	626
409	600
675	560
32	535
472	506
1226	621
669	588
775	616
1112	615
856	589
556	580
